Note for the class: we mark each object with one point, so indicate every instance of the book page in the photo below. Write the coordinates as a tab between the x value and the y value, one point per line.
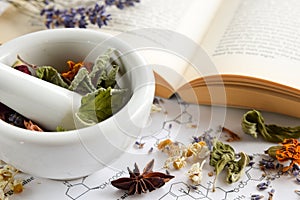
257	38
190	19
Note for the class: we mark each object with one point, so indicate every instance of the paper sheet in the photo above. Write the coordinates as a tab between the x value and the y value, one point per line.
179	122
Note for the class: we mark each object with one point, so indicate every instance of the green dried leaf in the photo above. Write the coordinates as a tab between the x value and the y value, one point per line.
95	107
236	168
101	63
222	156
101	104
108	79
60	129
82	83
253	124
51	75
105	69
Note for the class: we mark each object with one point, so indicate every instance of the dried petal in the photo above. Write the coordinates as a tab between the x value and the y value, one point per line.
164	143
122	183
149	166
73	69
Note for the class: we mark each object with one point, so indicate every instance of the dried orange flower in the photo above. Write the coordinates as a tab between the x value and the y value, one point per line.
73	69
290	150
31	126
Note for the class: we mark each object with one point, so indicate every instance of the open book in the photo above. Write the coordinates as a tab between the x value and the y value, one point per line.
254	46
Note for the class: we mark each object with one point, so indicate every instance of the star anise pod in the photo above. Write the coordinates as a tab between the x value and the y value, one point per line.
140	183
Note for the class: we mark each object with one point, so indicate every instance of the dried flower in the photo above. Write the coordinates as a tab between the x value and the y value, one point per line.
263	185
16	119
179	153
56	13
195	172
139	144
140	183
8	181
73	69
176	152
163	144
289	149
256	197
155	108
206	137
31	126
271	194
179	162
198	150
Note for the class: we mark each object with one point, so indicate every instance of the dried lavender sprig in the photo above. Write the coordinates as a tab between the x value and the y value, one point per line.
69	14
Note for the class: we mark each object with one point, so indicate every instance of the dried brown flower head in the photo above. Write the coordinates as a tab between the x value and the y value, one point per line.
140	183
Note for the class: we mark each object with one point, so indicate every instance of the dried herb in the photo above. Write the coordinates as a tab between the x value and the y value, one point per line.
105	69
82	83
96	84
288	150
95	107
178	153
8	182
51	75
253	124
222	156
195	172
233	136
73	69
140	183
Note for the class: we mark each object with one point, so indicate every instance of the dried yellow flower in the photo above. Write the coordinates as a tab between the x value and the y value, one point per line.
8	181
179	163
198	150
164	143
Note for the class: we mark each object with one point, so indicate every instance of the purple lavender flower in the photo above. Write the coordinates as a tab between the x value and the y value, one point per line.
82	16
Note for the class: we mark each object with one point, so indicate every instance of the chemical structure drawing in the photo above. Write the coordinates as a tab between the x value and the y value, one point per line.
180	117
252	177
76	190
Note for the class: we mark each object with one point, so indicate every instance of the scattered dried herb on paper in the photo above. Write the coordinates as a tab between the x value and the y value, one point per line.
8	182
253	124
232	135
178	153
139	183
222	156
195	172
288	150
